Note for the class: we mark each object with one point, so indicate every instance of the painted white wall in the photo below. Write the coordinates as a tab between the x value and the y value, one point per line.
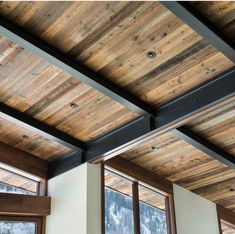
76	206
194	214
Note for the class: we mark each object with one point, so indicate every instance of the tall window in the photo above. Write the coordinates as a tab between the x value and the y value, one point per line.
152	212
118	205
131	207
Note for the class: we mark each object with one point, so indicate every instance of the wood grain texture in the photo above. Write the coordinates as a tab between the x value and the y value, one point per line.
113	39
181	163
31	85
32	143
221	14
22	160
17	204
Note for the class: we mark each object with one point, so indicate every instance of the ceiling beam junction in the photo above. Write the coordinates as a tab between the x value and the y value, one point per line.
150	122
205	146
201	25
67	64
168	116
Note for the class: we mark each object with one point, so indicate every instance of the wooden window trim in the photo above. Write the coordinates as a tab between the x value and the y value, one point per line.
42	187
23	161
141	176
136	207
27	205
226	216
40	221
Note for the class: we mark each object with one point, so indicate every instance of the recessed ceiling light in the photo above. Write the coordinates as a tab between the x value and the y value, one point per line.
73	105
151	54
154	148
25	137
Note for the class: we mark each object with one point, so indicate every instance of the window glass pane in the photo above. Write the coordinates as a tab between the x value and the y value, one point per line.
13	183
152	212
226	229
118	205
15	227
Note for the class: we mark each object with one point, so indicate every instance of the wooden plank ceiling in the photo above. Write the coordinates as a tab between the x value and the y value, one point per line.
220	13
185	165
112	39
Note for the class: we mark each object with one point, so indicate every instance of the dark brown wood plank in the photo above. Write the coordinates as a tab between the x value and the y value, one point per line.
24	205
23	161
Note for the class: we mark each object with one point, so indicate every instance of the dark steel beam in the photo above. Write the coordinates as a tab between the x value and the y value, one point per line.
55	57
39	127
202	26
65	163
112	144
123	136
217	90
205	146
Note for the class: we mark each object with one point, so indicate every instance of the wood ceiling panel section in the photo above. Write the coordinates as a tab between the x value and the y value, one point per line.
218	127
112	38
220	13
181	163
32	143
38	88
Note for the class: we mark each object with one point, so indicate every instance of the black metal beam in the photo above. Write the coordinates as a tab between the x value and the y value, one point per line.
205	146
65	163
202	26
43	129
55	57
209	94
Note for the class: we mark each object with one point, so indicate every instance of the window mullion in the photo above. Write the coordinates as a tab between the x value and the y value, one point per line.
136	210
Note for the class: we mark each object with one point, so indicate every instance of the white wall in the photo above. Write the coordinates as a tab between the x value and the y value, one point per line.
194	214
76	206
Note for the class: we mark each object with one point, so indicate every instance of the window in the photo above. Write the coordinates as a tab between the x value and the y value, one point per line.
127	210
153	218
12	181
118	205
226	228
226	220
19	225
18	182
